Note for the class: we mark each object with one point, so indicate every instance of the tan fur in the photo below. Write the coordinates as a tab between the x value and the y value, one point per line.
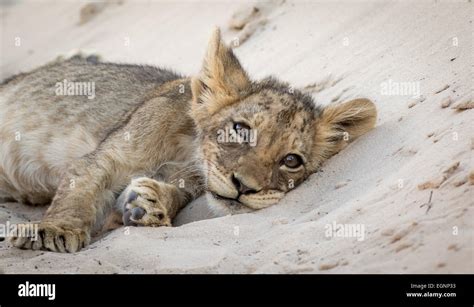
351	119
153	146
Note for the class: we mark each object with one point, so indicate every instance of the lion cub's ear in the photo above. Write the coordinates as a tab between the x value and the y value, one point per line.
340	124
221	80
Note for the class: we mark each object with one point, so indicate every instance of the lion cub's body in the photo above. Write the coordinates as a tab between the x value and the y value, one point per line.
147	140
138	123
43	133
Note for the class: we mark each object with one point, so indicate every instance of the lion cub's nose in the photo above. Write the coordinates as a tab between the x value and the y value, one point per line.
242	188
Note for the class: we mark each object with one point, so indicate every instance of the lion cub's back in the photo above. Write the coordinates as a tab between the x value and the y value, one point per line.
62	111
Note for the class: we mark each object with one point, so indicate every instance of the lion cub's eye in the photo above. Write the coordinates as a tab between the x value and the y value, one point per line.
292	161
241	127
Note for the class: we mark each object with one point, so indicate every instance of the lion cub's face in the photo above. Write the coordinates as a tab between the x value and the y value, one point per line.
257	149
261	139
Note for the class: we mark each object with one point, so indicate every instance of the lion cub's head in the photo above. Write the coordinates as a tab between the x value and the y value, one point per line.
261	139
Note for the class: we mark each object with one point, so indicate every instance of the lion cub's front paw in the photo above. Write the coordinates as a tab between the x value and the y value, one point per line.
51	237
143	203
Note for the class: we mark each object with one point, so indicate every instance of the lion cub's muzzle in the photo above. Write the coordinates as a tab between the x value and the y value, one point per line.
239	197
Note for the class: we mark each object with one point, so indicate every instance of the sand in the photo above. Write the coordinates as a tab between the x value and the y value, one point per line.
408	184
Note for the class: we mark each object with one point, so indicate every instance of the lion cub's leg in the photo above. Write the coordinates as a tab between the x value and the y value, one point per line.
81	202
148	202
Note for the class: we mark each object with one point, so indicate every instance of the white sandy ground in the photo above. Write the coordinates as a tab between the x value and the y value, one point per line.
337	50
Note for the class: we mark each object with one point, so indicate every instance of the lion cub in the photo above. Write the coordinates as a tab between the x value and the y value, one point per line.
148	141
